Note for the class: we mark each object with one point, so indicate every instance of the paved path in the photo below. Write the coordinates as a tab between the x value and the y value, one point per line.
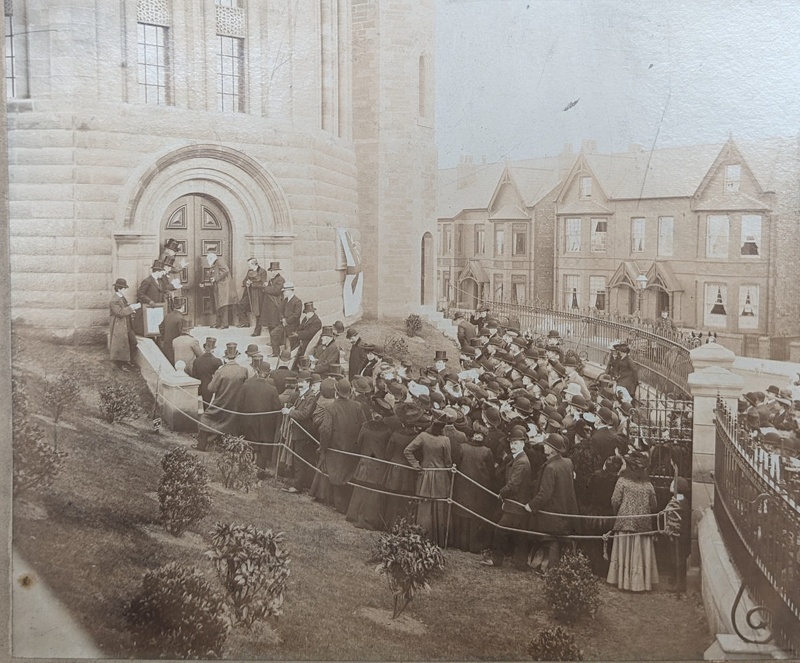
41	625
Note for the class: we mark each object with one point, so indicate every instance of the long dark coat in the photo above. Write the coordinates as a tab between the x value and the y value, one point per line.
258	395
271	301
149	292
291	311
257	280
400	478
120	331
203	369
340	429
226	386
307	330
358	359
326	356
518	488
478	464
170	328
224	286
627	375
366	506
556	494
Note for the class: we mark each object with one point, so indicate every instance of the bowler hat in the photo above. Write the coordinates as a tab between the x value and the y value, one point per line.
308	307
352	332
606	416
382	407
343	388
532	352
338	326
622	347
571	361
328	387
579	402
523	404
315	378
327	330
361	385
285	355
304	375
492	416
553	334
559	368
230	351
274	266
518	433
555	441
120	283
251	350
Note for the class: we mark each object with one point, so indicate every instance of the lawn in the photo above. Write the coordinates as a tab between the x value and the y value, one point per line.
94	533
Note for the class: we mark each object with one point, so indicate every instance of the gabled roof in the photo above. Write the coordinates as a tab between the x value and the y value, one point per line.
474	270
512	212
660	275
625	275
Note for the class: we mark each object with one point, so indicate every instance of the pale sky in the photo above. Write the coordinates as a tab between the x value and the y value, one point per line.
666	72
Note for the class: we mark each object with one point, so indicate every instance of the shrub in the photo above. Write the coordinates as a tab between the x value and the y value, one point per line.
236	463
554	644
183	494
60	393
571	589
396	346
408	559
253	569
413	324
118	403
36	463
177	614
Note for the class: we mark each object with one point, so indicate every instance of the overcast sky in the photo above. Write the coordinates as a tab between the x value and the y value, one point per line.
666	72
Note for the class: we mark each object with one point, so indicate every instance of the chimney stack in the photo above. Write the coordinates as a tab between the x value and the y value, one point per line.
466	171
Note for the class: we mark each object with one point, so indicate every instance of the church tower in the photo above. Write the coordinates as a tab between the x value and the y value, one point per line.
393	134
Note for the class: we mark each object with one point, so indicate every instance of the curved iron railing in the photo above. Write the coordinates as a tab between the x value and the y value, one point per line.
661	352
760	523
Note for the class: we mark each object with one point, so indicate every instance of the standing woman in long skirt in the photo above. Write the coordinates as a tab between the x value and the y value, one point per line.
633	556
433	481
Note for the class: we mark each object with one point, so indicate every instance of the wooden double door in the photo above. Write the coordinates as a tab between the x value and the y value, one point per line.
200	226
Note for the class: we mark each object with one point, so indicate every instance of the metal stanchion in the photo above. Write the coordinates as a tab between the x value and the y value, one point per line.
449	505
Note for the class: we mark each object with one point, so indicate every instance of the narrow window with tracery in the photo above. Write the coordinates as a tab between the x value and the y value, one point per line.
230	56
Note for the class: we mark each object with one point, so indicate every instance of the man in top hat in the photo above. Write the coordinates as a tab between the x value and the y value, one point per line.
556	494
310	324
260	395
515	494
250	302
627	373
283	370
204	368
285	334
341	341
465	331
221	417
224	289
150	292
167	259
185	347
121	339
339	431
326	353
246	360
303	433
271	299
358	356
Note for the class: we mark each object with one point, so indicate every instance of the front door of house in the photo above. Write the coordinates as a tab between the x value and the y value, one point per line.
200	226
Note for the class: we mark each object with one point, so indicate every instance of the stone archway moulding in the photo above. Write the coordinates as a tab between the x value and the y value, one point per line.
251	197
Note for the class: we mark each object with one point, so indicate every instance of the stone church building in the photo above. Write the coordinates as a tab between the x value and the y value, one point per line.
247	127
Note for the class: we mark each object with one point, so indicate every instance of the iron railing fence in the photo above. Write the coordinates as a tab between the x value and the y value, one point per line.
759	516
661	353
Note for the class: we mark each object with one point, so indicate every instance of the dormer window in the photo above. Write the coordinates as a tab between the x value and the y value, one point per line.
733	175
586	187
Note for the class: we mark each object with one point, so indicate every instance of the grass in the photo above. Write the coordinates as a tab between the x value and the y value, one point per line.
421	349
90	536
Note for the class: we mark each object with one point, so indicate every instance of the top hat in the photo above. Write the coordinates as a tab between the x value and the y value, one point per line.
327	330
256	359
210	343
157	265
230	351
308	307
555	441
252	349
288	285
274	266
120	283
172	244
441	355
303	362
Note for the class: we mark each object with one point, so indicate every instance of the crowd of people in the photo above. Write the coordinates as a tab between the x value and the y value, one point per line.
511	431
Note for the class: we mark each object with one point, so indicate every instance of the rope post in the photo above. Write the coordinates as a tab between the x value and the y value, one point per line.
449	505
284	421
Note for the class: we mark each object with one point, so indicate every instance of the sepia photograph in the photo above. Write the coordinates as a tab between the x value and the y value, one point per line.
401	330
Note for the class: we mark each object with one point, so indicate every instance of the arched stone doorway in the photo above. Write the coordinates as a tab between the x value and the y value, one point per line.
238	189
427	296
469	293
199	225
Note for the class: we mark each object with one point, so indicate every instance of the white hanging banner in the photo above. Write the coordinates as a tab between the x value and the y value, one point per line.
354	278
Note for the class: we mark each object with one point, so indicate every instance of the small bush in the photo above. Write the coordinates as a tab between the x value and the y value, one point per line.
118	403
58	394
413	324
408	559
236	463
571	589
554	644
396	346
183	494
177	614
36	463
253	569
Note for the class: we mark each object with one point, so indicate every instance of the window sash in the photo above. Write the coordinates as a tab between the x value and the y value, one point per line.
637	235
748	306
573	235
520	242
480	240
230	74
599	235
733	177
751	235
572	295
153	64
597	289
586	187
499	241
716	305
666	234
717	236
